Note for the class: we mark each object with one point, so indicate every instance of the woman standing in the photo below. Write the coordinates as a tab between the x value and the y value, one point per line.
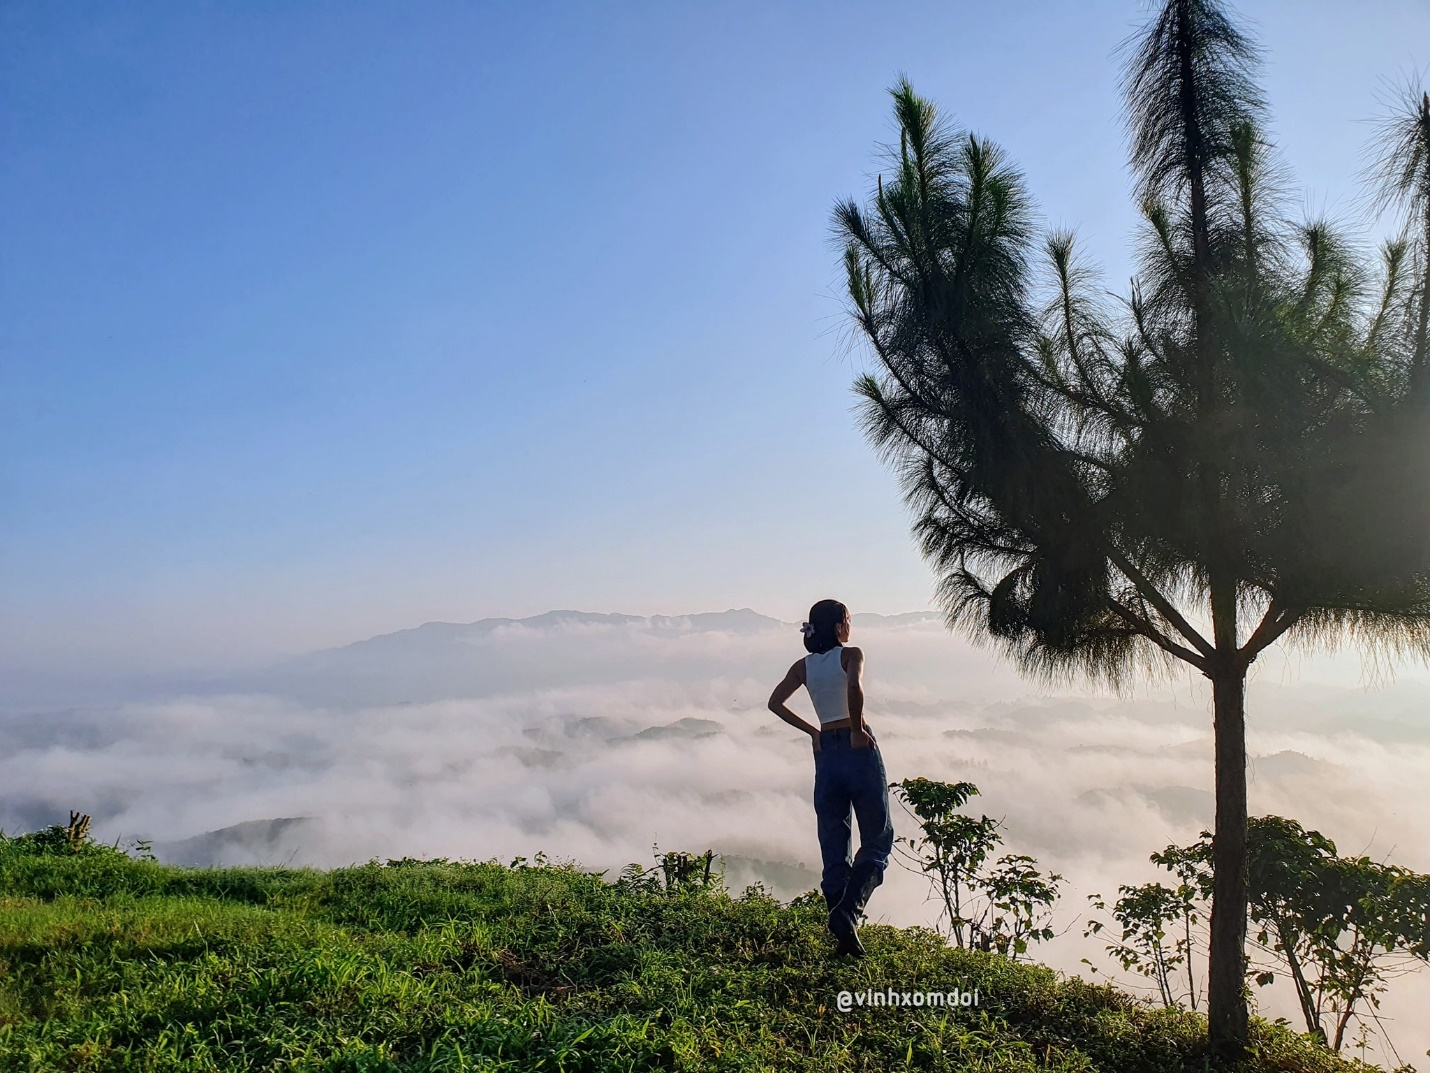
848	768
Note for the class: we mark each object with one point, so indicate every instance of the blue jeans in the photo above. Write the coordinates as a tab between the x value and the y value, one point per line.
845	778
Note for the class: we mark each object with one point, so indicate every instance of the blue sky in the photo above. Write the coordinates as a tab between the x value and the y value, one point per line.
321	320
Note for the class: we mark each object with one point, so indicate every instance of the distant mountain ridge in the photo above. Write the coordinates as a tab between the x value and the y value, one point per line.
446	660
741	620
432	661
261	842
744	620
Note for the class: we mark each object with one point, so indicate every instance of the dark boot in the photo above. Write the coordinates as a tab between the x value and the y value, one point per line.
848	943
845	944
843	917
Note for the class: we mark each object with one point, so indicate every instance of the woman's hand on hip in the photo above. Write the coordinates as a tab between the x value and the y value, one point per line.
859	739
814	738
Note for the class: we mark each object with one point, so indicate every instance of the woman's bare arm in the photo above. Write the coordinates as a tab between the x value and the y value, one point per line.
854	670
786	689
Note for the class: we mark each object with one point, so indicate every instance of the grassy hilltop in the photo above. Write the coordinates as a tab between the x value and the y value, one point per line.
114	963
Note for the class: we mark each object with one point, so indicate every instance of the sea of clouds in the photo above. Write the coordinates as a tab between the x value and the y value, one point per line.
593	737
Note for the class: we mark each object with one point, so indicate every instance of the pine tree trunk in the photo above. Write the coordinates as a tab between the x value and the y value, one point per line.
1226	993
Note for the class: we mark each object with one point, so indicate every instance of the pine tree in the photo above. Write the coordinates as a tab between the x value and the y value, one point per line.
1237	453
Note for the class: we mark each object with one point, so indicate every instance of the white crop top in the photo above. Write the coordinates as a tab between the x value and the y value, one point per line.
828	684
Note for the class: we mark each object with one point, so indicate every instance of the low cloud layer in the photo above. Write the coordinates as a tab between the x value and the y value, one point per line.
592	737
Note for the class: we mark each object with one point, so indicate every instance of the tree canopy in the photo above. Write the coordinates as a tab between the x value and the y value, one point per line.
1077	468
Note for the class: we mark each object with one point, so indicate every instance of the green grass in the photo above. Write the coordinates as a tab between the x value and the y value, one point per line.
110	963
